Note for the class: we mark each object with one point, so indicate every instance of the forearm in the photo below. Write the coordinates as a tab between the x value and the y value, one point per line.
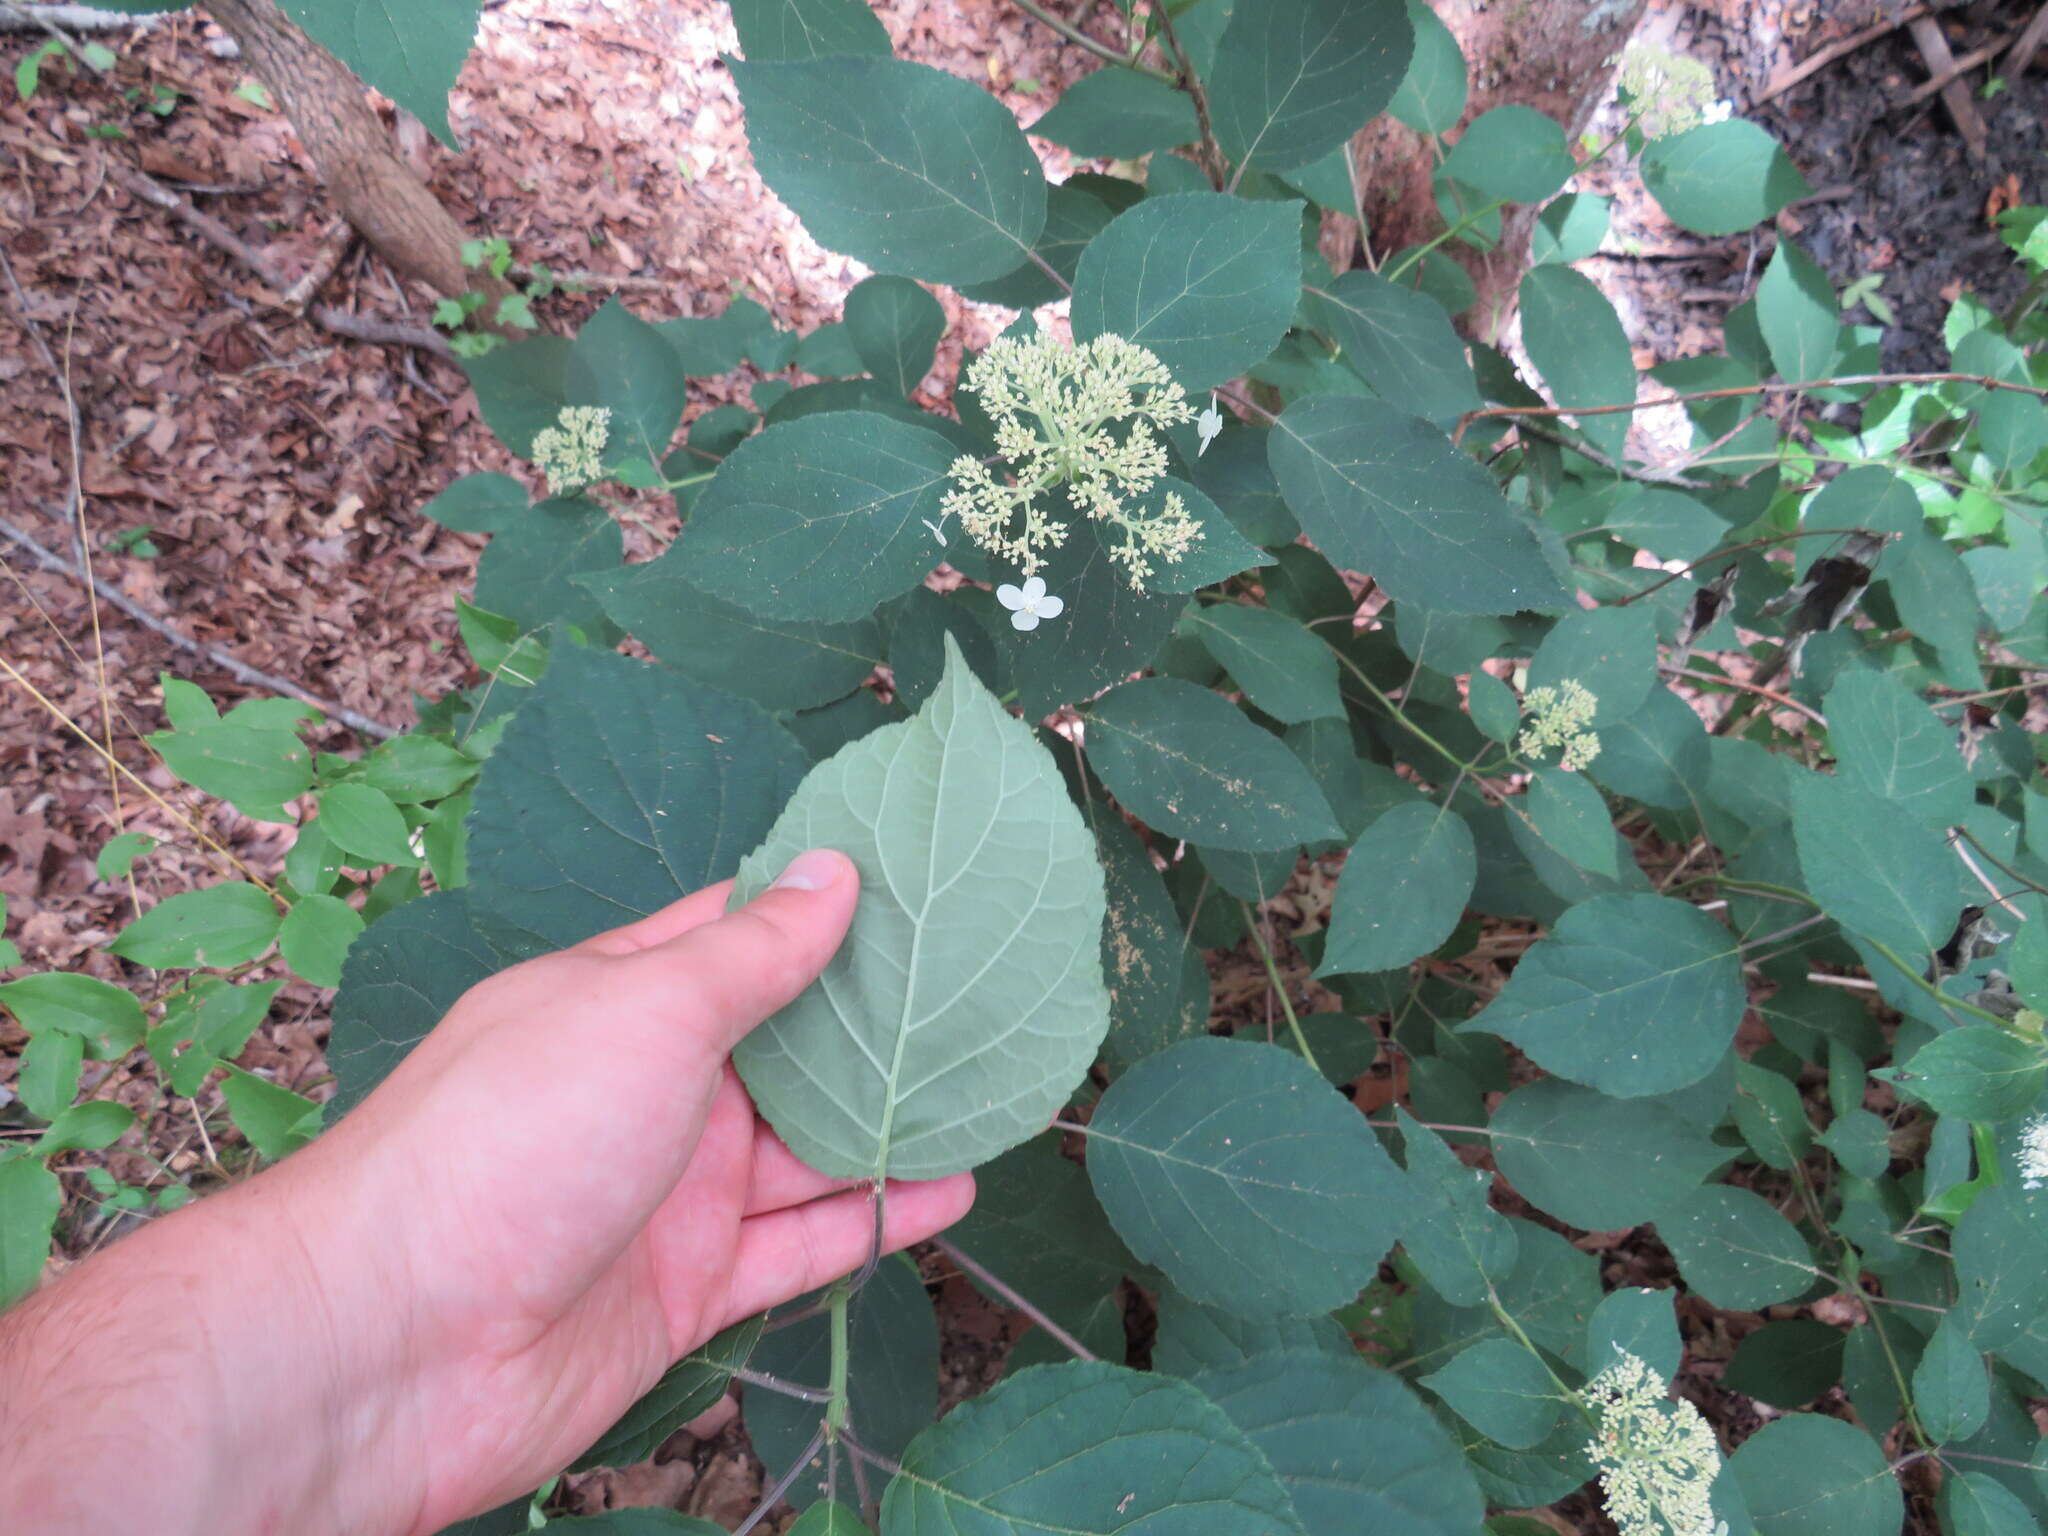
188	1379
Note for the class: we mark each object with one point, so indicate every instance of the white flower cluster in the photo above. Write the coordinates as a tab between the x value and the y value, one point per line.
1657	1458
1055	410
1559	717
2034	1153
1671	91
571	453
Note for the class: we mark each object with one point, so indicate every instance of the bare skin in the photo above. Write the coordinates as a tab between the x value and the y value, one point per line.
446	1298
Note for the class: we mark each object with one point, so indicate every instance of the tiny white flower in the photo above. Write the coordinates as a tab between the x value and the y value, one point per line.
937	532
1029	603
1208	426
2034	1153
1718	112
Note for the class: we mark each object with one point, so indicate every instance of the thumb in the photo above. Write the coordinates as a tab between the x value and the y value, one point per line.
730	974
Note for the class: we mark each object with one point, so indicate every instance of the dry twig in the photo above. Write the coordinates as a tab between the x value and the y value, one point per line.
208	228
1807	68
49	560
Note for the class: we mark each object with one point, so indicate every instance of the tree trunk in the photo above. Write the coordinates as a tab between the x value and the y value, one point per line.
1554	55
375	190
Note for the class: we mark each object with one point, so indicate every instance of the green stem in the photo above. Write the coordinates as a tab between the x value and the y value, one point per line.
836	1409
1074	34
1394	274
1939	996
1251	924
1389	706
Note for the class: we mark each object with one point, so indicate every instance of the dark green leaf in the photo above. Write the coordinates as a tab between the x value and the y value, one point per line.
807	29
1195	1339
618	789
1978	1072
1282	667
1431	97
1811	1475
401	976
1037	1227
1571	815
1612	652
1459	1242
1514	154
528	573
1570	228
1191	765
1897	889
1208	283
895	327
1638	1322
821	519
779	663
1296	78
1736	1250
1787	1363
2001	1254
479	504
1501	1390
1355	1448
1796	311
689	1387
412	56
626	366
1404	887
1630	994
1158	985
521	387
1110	628
1074	216
896	164
1385	493
1951	1387
1722	178
1036	1453
1117	114
1401	343
1890	744
1597	1162
1576	342
1244	1176
416	770
1657	755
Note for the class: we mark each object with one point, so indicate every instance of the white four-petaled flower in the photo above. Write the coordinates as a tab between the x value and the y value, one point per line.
1030	602
1208	427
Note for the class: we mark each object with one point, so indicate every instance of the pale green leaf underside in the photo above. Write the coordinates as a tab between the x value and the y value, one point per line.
967	1000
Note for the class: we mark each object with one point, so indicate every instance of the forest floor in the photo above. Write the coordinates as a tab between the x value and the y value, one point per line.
158	391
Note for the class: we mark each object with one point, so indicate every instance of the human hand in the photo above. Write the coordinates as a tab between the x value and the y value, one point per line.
558	1193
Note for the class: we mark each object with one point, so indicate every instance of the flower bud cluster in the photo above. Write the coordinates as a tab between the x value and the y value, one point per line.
1657	1458
1057	412
571	453
1560	717
1669	91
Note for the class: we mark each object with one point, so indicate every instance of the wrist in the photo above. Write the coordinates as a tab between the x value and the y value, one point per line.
196	1376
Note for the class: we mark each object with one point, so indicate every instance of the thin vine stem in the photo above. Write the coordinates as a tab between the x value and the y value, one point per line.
1015	1298
1074	34
1251	924
1191	82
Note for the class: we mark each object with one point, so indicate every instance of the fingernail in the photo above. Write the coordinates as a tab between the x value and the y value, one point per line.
811	871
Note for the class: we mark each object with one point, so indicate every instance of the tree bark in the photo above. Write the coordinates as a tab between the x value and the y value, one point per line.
355	157
1554	55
